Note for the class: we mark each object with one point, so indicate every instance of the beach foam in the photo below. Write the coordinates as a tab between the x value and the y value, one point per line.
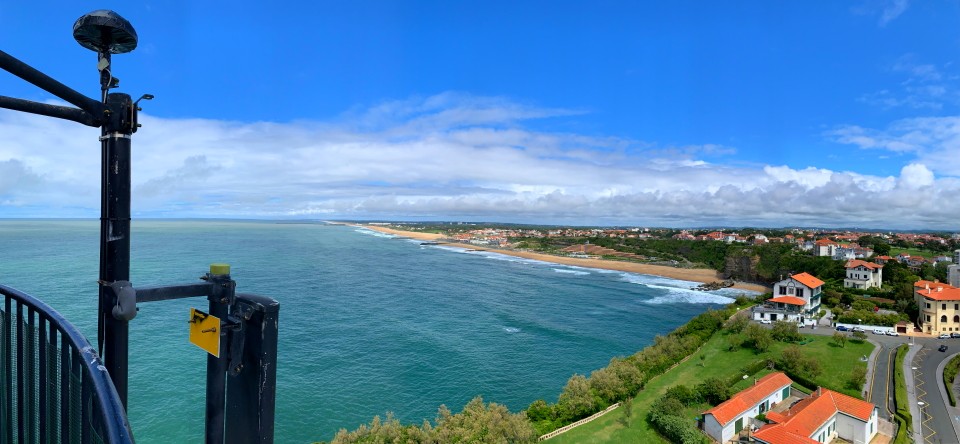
573	272
511	329
689	297
374	233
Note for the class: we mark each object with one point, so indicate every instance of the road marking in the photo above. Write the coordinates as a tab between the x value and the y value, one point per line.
925	416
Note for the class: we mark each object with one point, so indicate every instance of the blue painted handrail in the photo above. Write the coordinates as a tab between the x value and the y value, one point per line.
53	385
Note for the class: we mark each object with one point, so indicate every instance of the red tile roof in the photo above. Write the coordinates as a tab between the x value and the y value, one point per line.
854	263
732	408
796	425
792	300
937	291
807	279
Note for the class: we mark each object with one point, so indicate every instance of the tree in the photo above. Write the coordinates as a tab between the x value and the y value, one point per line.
859	336
793	360
840	339
627	408
714	390
576	401
881	248
858	377
737	323
785	331
759	337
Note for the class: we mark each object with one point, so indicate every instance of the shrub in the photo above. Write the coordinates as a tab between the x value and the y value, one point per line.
714	390
840	339
684	394
785	331
793	360
858	377
949	374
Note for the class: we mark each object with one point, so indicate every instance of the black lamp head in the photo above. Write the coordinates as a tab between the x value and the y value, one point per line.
104	31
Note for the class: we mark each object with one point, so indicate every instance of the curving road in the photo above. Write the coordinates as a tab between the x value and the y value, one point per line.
937	422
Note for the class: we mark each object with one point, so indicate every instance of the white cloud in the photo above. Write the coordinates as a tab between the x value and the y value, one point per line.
460	157
934	141
893	9
925	86
915	176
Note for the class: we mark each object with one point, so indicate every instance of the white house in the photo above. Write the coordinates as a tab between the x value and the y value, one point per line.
730	417
822	417
795	299
862	274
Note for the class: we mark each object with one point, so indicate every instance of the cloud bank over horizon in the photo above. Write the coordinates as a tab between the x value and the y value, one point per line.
460	157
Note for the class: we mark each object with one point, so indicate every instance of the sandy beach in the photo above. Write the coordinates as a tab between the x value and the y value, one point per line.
687	274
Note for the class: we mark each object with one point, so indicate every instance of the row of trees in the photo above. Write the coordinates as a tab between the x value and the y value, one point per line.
478	422
623	377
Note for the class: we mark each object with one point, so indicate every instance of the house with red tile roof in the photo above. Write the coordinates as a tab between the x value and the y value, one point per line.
863	274
939	305
795	299
820	418
825	247
733	415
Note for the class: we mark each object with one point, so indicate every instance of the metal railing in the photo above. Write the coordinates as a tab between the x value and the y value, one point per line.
53	385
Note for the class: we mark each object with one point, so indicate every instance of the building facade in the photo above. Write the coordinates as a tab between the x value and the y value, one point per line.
863	275
939	305
735	414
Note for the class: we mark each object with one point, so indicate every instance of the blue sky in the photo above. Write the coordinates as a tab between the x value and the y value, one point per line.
667	113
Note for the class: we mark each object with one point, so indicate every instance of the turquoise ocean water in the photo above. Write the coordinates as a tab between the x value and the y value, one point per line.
368	323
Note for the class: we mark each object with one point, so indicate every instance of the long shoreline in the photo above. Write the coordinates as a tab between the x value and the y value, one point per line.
703	275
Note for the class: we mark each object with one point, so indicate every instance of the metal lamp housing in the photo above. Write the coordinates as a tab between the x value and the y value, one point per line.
104	31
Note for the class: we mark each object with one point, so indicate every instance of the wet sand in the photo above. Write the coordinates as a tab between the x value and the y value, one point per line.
688	274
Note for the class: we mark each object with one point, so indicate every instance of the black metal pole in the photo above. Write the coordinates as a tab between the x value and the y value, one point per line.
221	297
115	235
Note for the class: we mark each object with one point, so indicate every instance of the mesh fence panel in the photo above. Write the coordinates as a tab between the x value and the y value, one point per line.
41	382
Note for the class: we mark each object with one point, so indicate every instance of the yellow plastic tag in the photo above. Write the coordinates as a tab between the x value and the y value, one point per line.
205	331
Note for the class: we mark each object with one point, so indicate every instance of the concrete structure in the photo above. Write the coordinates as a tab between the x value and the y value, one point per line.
939	305
862	274
733	415
822	417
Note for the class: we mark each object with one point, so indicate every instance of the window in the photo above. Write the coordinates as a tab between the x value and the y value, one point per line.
943	306
928	318
799	292
956	306
956	318
928	305
943	318
783	291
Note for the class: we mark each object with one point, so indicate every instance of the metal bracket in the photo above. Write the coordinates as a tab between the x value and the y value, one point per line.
125	300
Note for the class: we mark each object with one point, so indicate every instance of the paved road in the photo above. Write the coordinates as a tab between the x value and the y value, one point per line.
936	420
881	388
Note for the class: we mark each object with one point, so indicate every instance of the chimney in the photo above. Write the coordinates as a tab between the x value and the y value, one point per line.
819	391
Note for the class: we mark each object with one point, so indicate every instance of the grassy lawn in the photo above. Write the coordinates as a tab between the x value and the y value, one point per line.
836	362
913	252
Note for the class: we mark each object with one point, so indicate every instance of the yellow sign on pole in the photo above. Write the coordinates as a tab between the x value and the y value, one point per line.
205	331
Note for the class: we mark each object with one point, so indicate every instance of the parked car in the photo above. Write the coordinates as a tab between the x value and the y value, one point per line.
842	328
943	348
944	336
860	329
878	332
892	333
955	334
765	321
